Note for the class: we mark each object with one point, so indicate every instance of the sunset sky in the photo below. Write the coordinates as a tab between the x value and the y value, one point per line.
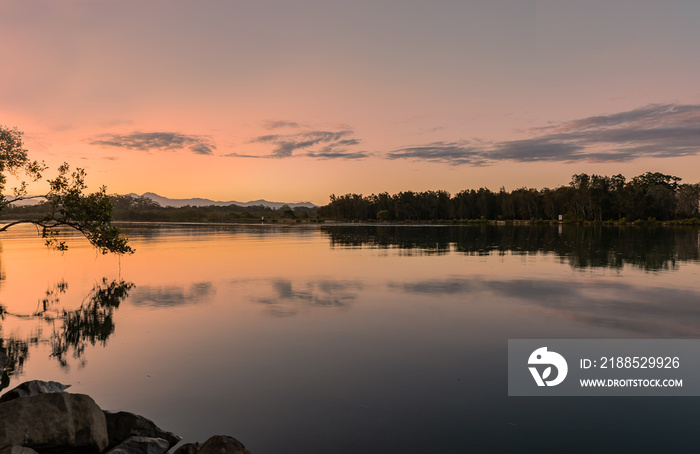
293	101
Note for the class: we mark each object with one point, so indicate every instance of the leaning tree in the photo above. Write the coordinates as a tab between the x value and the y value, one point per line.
67	206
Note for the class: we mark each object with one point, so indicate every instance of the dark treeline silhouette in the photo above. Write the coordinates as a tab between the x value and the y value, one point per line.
130	208
650	248
652	195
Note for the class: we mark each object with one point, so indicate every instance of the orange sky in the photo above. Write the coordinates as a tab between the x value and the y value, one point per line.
293	101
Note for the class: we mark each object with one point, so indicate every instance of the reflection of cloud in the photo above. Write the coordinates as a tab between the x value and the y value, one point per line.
315	144
658	130
287	296
162	141
654	311
437	286
171	295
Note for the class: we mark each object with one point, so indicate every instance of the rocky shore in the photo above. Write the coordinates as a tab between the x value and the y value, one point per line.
41	417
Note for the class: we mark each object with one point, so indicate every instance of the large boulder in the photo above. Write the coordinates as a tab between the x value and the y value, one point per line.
33	388
17	450
141	445
222	444
54	423
122	425
188	448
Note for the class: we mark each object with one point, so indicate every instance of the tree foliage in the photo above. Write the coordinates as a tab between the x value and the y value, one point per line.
585	198
68	205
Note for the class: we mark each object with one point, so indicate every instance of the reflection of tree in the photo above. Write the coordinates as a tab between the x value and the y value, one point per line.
70	330
650	248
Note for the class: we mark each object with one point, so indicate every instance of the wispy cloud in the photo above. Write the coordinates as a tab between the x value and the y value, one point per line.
315	144
323	154
658	130
275	124
149	141
243	155
446	152
285	145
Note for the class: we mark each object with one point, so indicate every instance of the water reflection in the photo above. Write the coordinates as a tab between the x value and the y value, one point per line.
65	331
350	347
162	231
651	311
288	297
649	248
172	295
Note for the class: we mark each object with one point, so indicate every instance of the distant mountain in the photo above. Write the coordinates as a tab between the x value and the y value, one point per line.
27	202
165	202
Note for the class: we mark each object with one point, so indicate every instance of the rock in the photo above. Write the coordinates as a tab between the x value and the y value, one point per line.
54	423
141	445
33	388
123	425
17	450
188	448
222	444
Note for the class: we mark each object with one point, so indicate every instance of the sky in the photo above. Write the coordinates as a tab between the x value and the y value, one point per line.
294	101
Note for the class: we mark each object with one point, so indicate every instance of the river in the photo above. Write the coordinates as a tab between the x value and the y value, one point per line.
353	338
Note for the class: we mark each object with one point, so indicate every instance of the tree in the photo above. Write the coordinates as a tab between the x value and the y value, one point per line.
68	206
688	198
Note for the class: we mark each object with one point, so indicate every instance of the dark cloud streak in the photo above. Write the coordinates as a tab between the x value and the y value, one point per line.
161	141
659	130
445	152
333	145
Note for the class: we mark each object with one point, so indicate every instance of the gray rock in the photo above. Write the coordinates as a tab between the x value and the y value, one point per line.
123	425
17	450
222	444
188	448
141	445
54	423
33	388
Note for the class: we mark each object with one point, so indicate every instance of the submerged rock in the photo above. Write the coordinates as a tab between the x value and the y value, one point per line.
56	422
33	388
141	445
122	425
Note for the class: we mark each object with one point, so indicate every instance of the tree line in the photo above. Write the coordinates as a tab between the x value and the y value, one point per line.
652	195
139	208
595	198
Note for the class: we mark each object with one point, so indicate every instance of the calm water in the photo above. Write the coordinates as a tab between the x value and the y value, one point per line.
346	339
